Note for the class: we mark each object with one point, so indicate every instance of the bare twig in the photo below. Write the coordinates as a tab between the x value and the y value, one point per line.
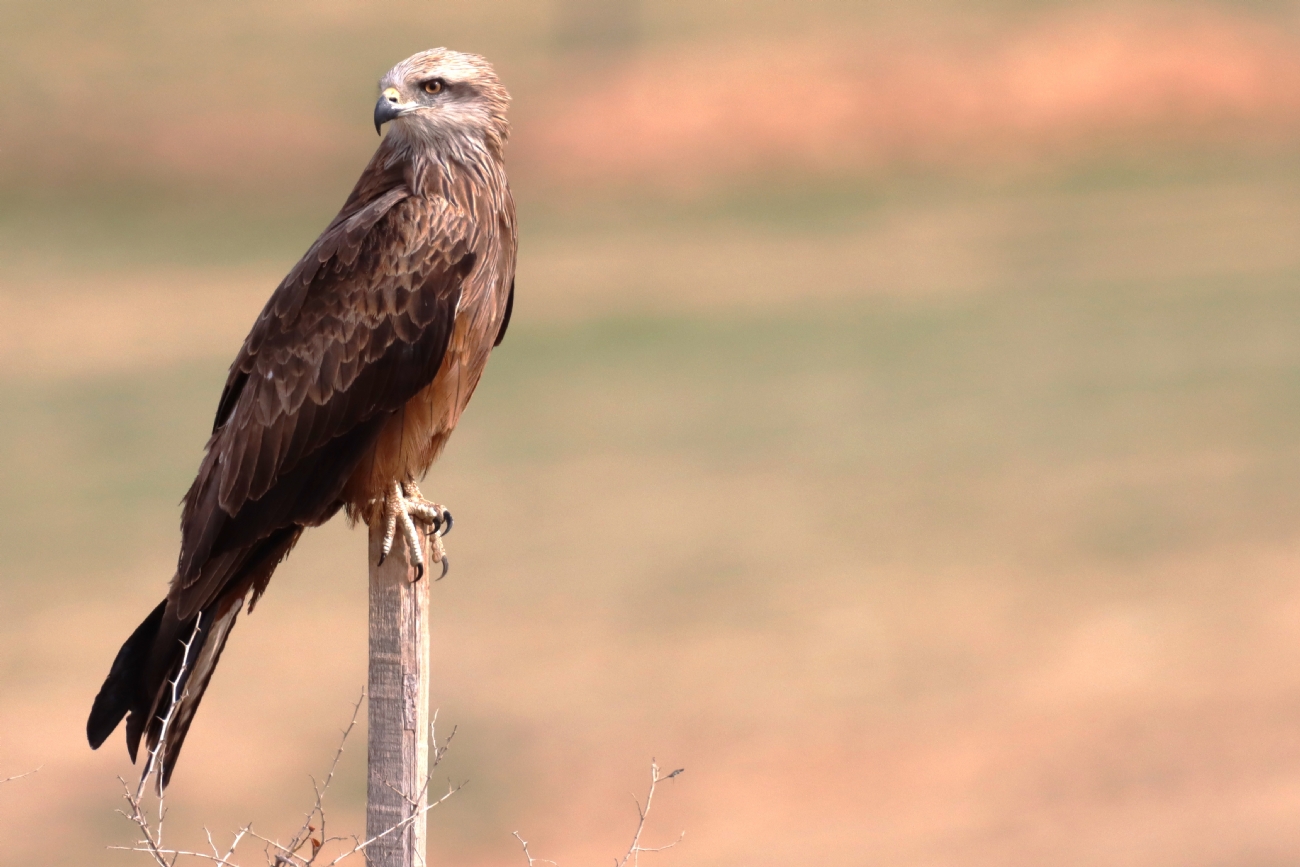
634	851
318	810
439	750
20	776
308	844
361	845
152	841
153	765
529	855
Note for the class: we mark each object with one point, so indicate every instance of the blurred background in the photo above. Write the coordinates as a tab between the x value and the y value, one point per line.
899	427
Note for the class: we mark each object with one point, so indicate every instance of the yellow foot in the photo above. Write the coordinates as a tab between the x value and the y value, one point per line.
404	505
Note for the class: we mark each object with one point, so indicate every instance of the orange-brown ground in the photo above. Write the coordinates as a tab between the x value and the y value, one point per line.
866	99
1000	571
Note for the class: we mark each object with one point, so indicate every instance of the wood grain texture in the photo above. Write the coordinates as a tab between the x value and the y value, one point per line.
398	707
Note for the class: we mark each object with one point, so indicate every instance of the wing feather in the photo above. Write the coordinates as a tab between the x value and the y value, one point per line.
356	329
505	320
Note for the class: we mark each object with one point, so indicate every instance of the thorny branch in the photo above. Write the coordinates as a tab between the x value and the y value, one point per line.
152	841
529	855
157	756
20	776
310	836
634	851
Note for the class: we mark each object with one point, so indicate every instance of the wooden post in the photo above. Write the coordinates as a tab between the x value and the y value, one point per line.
398	706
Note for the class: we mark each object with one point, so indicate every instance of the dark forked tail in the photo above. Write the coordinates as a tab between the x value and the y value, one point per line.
164	659
124	689
169	659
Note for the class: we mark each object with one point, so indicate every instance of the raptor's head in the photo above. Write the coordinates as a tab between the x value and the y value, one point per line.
443	95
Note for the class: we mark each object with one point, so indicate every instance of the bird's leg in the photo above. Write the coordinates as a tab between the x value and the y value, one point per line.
392	507
427	512
435	516
396	512
404	505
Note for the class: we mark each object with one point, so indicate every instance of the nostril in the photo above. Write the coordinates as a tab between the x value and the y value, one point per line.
393	100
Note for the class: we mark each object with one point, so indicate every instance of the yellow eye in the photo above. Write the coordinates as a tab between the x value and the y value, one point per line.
433	86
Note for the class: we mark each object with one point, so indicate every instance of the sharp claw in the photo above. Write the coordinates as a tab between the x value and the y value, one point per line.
383	555
404	506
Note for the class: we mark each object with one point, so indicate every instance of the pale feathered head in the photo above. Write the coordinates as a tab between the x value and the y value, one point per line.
444	96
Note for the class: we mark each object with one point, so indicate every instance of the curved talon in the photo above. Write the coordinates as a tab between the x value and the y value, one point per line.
405	508
392	506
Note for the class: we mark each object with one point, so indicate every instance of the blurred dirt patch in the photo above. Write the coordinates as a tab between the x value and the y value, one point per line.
56	323
868	98
948	528
860	102
110	320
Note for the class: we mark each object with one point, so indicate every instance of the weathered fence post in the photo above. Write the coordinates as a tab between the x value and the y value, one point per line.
398	706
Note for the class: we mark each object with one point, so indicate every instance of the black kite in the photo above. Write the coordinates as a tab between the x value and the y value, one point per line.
348	385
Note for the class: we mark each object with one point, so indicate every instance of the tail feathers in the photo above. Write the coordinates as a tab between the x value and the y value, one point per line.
124	689
164	659
170	656
186	683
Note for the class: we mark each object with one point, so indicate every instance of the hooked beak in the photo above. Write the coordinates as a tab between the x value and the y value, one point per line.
389	106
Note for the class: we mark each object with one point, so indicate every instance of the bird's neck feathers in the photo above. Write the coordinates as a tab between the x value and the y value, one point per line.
444	165
446	144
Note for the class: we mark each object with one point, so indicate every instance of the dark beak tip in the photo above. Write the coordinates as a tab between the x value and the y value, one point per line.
384	112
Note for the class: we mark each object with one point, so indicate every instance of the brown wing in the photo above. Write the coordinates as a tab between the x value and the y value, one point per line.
357	328
505	320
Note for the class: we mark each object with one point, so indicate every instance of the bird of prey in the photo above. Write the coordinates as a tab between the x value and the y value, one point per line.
348	385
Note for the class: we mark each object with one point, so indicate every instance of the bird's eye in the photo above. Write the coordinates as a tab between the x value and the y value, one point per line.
433	85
